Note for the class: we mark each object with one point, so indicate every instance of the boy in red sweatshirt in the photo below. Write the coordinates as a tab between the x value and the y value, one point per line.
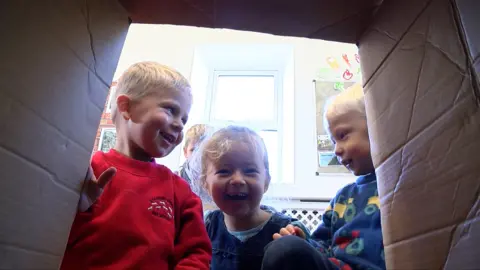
146	217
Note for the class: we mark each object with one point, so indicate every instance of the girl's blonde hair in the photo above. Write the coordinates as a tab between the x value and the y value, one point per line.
352	99
144	78
214	147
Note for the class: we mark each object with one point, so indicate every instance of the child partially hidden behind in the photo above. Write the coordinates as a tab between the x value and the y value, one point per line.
234	169
193	137
147	217
350	236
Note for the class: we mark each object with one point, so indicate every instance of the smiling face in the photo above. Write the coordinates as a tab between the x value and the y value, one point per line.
155	122
348	131
237	179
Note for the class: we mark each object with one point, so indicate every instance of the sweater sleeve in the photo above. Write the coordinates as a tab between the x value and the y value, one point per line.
323	236
193	249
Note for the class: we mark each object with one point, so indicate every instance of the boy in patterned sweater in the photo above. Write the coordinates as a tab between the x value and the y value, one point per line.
350	236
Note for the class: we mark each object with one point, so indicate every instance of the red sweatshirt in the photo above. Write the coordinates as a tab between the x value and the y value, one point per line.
146	218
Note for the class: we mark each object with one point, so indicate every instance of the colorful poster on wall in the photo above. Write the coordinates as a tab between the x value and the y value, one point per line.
343	67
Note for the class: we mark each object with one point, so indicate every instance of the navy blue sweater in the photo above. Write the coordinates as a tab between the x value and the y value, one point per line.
229	253
351	232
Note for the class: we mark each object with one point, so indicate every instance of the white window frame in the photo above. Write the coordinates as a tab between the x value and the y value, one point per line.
275	125
111	94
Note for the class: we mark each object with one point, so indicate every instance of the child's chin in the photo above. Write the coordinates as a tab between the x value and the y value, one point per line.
160	152
356	173
361	172
237	212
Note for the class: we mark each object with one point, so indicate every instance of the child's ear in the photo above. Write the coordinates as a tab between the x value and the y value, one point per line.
123	106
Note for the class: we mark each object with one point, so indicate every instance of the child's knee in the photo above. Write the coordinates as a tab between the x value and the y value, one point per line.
285	250
287	244
292	252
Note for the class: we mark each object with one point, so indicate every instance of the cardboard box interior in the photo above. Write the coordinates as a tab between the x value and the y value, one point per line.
58	60
420	62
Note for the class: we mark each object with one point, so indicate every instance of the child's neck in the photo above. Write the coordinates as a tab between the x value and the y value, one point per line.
247	222
126	148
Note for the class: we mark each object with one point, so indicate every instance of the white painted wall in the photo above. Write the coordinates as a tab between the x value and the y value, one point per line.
175	46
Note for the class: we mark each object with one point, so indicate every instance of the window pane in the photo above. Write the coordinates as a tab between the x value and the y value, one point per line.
271	142
245	98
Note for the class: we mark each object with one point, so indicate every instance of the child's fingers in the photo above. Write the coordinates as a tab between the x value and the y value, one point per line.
284	231
291	229
300	233
276	236
105	177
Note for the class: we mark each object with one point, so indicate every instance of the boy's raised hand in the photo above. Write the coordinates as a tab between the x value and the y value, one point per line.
93	187
289	230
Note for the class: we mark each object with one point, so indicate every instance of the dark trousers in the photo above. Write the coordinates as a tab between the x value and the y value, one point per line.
291	253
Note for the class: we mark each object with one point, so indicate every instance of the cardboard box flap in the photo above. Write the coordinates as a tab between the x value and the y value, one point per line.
342	21
58	59
424	122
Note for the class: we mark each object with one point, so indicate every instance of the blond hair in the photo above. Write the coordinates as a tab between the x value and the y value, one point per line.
352	99
216	146
143	78
195	134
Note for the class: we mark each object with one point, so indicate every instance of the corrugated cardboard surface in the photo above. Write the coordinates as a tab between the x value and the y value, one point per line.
425	130
419	58
57	61
339	20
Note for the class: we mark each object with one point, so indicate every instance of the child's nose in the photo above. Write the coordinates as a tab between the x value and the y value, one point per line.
178	124
338	151
237	178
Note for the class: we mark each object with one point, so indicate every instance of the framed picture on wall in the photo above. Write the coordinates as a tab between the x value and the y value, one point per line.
326	159
107	140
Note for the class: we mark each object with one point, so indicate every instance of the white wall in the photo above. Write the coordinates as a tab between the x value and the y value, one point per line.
175	46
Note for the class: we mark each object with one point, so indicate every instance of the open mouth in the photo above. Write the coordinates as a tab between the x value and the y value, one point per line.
169	138
347	163
236	196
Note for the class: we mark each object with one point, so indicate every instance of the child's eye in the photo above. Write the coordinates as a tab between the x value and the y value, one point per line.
169	109
223	172
251	171
342	135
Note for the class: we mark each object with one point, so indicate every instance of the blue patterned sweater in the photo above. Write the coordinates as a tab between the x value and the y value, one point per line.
351	233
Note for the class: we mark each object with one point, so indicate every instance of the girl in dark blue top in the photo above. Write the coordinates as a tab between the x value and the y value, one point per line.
235	172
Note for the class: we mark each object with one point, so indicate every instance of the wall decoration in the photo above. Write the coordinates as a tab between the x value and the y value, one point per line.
345	58
327	161
332	62
357	58
339	86
347	75
341	67
108	137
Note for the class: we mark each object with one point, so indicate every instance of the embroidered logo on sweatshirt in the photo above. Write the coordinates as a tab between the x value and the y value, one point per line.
161	207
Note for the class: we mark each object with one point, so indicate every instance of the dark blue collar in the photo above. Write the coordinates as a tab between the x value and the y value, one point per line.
365	179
